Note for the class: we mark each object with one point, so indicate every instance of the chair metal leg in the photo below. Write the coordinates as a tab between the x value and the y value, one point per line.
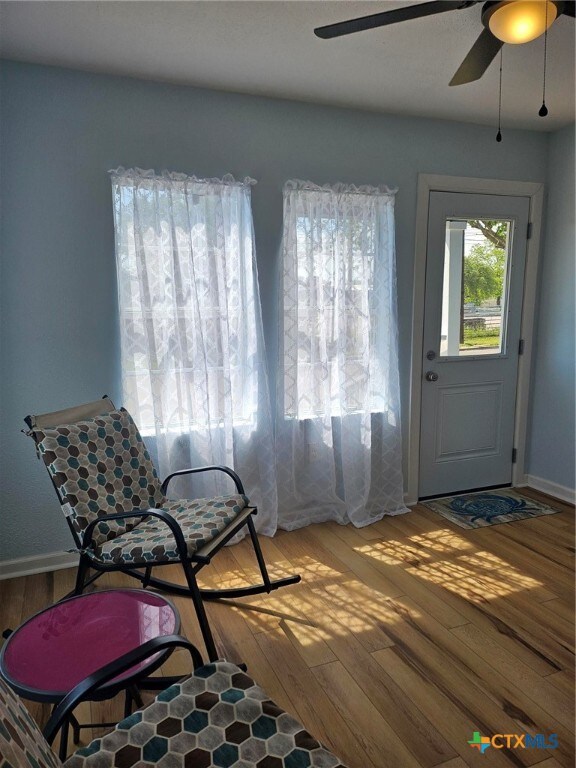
200	610
83	567
132	696
64	740
259	557
147	576
75	729
267	584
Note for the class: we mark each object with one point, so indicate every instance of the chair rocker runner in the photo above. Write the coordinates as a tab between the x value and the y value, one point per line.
118	512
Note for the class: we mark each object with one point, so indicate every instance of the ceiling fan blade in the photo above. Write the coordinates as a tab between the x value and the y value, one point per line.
478	59
388	17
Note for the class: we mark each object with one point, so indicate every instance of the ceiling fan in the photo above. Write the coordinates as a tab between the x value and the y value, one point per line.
505	21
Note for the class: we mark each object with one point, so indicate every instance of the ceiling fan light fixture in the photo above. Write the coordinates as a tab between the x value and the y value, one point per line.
519	21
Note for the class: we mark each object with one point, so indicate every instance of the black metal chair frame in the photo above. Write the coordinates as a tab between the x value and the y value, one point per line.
191	565
62	716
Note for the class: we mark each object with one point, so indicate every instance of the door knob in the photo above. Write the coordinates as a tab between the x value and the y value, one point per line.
431	376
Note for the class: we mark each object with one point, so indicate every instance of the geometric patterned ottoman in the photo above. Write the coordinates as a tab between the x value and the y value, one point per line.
217	718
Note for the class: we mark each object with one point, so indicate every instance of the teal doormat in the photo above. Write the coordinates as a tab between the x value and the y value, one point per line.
477	510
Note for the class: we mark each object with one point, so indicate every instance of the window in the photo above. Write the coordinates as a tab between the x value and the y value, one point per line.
338	438
339	300
189	310
193	371
474	293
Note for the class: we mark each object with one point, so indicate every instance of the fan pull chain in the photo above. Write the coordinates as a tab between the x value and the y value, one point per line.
543	111
499	134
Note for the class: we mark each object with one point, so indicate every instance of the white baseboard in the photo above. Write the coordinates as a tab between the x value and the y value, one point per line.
25	566
552	489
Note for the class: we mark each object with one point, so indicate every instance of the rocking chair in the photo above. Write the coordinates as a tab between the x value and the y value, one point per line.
118	512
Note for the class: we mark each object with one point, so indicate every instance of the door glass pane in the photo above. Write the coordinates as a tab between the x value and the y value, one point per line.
475	287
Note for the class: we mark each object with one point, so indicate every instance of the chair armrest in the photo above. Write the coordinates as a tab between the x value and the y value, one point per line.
227	470
109	671
159	513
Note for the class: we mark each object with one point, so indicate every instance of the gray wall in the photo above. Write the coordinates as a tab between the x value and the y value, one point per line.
61	132
551	446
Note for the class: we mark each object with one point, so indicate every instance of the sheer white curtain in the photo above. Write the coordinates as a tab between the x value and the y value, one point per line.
193	367
338	437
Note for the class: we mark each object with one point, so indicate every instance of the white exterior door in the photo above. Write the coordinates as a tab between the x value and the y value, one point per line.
475	264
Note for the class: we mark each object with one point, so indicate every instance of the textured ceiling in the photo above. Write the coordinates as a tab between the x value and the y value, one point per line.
268	48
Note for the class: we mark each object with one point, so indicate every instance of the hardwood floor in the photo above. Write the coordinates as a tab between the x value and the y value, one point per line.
403	639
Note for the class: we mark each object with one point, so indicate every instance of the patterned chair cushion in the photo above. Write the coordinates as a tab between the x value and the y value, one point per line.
152	541
21	742
218	717
101	466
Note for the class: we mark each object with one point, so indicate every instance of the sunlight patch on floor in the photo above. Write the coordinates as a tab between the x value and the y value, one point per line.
313	567
264	612
392	552
500	572
475	575
224	580
422	546
353	607
442	541
478	578
358	607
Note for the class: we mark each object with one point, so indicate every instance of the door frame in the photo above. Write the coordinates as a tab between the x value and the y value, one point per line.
435	183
